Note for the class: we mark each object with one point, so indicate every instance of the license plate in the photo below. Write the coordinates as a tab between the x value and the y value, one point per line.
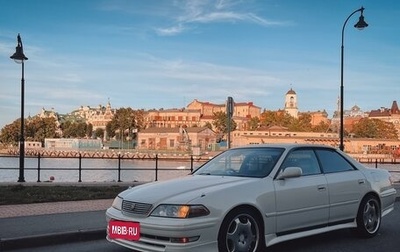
124	230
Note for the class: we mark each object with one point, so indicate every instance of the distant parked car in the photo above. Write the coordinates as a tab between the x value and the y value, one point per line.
249	198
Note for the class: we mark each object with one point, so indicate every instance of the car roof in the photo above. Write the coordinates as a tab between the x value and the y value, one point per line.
284	145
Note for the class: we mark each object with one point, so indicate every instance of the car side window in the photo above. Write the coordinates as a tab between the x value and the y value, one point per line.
331	161
305	159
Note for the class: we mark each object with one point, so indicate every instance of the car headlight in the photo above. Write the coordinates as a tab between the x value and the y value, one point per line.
117	203
180	211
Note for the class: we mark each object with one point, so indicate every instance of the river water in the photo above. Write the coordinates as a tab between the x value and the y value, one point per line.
93	170
106	170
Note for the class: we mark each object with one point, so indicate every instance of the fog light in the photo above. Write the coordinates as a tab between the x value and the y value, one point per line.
185	239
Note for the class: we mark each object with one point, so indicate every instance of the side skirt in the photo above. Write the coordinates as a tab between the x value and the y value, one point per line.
295	234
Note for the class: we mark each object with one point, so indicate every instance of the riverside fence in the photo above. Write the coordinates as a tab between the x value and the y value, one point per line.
152	165
148	163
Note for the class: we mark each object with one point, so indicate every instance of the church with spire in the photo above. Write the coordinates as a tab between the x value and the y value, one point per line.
291	103
291	108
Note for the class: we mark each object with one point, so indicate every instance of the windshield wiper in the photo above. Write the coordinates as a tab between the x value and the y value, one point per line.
205	173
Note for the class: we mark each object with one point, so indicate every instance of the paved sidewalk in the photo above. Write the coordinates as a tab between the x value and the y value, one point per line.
33	225
8	211
39	224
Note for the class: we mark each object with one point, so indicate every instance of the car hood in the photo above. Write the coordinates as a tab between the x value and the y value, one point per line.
183	190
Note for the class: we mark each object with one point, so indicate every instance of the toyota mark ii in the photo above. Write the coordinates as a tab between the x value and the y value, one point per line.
249	198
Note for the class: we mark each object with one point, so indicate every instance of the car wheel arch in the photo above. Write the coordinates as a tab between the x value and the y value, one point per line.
371	194
368	223
253	211
248	207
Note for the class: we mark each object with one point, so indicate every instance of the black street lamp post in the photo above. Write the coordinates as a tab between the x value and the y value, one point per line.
229	111
19	58
361	24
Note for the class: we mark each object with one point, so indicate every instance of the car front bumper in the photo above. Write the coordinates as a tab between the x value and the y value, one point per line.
168	234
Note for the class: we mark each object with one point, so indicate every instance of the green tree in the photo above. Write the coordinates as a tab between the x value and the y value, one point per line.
74	129
301	124
208	125
9	134
37	129
220	122
253	123
322	127
139	118
275	118
124	122
99	132
374	128
89	130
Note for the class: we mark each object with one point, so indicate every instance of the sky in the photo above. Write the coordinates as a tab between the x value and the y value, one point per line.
157	54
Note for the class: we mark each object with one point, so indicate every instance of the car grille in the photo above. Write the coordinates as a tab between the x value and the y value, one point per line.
130	207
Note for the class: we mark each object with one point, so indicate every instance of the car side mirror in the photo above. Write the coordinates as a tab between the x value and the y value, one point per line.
290	172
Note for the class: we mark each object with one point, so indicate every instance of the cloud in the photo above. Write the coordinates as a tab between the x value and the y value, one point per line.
227	16
207	12
170	31
181	16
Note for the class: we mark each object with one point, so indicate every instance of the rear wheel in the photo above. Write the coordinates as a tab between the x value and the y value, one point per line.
368	217
241	231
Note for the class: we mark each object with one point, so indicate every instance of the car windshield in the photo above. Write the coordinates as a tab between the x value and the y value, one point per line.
243	162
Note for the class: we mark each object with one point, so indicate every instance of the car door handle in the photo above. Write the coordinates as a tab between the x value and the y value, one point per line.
361	181
321	188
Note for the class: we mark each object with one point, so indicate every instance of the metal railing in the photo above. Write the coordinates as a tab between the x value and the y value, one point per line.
151	158
155	159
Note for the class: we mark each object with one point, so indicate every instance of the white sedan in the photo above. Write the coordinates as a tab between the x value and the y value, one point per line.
249	198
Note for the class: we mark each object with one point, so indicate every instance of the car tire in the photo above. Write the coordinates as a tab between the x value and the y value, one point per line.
368	217
241	231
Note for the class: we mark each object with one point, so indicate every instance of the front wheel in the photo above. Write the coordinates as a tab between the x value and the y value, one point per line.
241	231
368	217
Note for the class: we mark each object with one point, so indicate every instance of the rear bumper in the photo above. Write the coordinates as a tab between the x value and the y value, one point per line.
388	198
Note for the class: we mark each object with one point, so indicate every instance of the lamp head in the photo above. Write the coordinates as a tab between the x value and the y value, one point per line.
19	55
361	24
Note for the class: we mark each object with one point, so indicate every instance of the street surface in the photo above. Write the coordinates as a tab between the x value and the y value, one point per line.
337	241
